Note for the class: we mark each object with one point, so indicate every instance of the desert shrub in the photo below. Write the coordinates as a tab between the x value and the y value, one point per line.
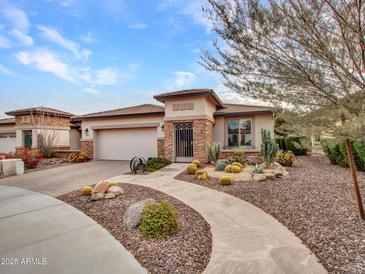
238	156
254	160
213	151
285	158
197	163
159	220
228	169
86	190
221	164
337	153
359	155
225	180
268	147
155	163
191	168
281	142
29	157
203	177
296	144
78	157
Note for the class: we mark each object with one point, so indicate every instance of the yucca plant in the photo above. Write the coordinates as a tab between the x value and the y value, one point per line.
268	147
213	151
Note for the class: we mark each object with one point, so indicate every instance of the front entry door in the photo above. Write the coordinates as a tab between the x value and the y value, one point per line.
184	142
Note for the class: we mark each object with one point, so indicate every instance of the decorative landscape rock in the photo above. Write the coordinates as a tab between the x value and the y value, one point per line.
113	183
259	177
109	195
86	190
116	190
132	215
101	187
97	196
270	175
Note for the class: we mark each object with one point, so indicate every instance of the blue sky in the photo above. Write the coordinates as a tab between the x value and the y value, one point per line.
89	55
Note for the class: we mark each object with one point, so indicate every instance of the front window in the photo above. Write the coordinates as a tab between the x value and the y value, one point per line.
239	133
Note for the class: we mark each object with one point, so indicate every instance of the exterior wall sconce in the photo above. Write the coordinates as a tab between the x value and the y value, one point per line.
86	131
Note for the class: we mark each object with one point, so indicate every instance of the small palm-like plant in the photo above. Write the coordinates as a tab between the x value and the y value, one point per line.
213	151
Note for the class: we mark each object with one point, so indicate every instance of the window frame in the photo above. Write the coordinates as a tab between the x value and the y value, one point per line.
239	119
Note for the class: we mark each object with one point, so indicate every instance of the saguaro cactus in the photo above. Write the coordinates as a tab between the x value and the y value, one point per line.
268	147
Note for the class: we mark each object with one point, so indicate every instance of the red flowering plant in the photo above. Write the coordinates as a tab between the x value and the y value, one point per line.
30	158
4	156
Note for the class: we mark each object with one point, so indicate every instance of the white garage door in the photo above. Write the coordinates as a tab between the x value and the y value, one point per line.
7	142
124	144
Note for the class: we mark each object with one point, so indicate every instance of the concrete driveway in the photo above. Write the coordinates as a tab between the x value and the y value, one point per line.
60	180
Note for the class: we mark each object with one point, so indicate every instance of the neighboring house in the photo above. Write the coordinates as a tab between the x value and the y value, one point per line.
7	135
179	130
31	122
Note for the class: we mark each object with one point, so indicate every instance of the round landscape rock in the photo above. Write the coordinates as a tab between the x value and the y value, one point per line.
116	190
101	187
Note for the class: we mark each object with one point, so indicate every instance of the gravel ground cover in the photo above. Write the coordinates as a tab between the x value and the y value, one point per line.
186	252
317	204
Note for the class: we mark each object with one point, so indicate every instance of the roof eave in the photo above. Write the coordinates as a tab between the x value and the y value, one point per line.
244	113
80	118
16	113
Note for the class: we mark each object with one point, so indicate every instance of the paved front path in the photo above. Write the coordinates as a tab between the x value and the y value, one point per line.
60	180
35	227
245	239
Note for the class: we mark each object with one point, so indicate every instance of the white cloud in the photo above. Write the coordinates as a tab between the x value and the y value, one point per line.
25	39
88	38
106	77
181	79
5	71
4	42
54	36
137	26
45	60
18	17
90	90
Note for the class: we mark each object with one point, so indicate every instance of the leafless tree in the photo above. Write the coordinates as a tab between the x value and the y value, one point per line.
306	54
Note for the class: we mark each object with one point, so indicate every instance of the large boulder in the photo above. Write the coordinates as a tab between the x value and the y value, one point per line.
132	216
101	187
116	190
97	196
259	177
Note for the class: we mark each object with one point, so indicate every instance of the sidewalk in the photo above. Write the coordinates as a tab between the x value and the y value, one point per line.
245	239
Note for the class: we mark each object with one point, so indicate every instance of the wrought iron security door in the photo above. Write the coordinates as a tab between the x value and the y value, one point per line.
184	142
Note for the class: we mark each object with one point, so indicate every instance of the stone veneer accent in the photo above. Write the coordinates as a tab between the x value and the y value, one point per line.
203	134
161	148
88	147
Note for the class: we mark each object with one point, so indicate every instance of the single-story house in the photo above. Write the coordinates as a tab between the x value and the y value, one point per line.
28	124
178	128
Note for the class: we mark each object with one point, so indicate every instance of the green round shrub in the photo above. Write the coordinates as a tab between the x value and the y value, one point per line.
159	220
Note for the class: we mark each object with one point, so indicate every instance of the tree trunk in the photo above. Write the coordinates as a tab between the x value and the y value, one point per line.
355	180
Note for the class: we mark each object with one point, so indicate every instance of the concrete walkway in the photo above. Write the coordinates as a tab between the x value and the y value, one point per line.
245	239
39	234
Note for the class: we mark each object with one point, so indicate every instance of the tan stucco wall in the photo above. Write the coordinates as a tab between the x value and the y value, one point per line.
258	122
127	121
203	107
62	137
75	137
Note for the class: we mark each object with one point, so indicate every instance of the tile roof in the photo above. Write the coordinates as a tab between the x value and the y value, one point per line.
38	110
234	109
188	93
7	121
145	109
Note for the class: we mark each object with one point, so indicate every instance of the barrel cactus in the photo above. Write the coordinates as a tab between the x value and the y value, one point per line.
268	147
196	162
228	169
225	180
191	169
201	173
236	169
